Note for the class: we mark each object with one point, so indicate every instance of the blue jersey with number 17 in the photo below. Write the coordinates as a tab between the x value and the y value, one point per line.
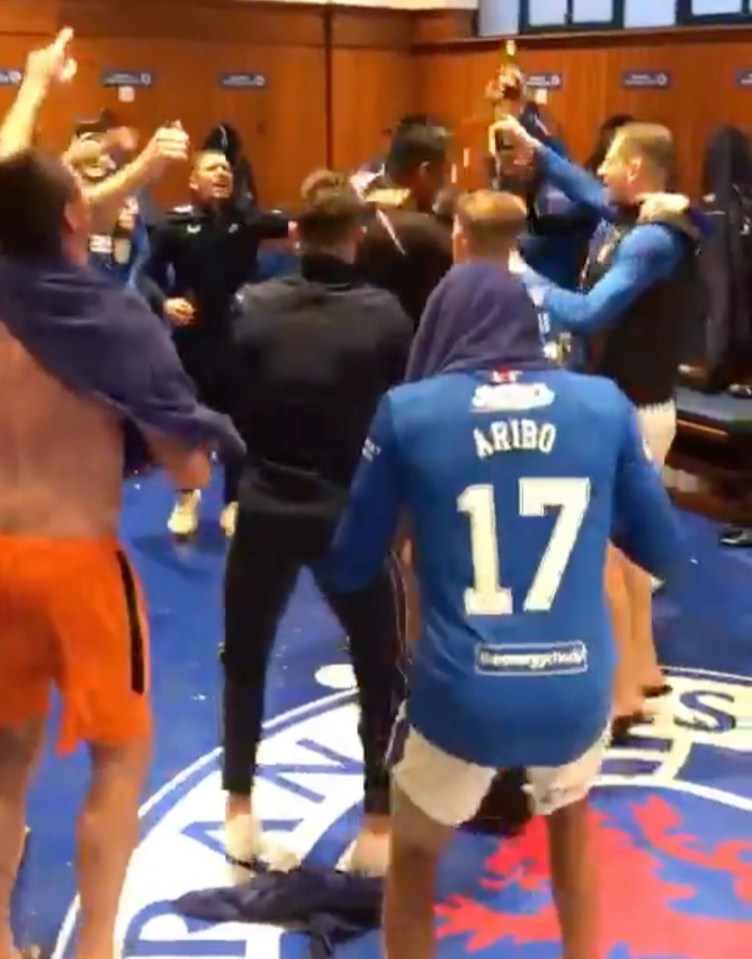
512	485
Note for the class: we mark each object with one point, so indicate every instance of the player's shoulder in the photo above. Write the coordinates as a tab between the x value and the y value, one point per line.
252	293
601	397
382	305
590	384
654	240
429	398
370	297
254	301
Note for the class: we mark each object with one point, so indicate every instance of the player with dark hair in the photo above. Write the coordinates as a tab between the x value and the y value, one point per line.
91	383
406	249
313	355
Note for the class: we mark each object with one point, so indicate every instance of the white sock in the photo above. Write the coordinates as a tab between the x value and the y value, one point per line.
247	845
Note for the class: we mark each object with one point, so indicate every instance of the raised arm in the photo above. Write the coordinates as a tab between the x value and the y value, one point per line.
44	68
574	182
649	254
168	145
52	65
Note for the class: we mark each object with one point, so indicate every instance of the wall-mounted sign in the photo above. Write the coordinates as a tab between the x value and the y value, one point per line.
544	81
646	79
10	78
744	79
128	78
243	81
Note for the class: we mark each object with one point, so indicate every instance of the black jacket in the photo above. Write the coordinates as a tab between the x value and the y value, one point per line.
207	255
642	351
312	356
724	340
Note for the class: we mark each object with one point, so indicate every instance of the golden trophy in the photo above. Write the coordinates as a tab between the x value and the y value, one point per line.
507	94
475	137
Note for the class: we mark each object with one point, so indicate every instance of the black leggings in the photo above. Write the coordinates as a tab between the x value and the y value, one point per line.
261	574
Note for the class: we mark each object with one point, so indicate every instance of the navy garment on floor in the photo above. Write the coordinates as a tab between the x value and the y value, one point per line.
332	907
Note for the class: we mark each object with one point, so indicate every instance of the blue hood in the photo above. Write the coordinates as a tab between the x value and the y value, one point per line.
479	317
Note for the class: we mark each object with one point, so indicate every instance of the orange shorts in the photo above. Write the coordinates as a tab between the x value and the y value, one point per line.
72	616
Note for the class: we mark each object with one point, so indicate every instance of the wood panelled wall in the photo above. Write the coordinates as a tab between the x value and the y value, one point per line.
338	78
703	63
290	127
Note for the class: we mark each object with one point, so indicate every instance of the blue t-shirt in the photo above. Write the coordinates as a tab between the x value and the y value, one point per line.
512	485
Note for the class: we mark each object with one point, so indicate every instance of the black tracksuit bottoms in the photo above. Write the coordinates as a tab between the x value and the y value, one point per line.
262	569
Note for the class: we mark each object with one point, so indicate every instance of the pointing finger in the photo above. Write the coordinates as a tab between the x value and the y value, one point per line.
63	39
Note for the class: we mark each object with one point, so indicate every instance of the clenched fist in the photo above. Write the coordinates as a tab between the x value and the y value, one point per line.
180	311
169	144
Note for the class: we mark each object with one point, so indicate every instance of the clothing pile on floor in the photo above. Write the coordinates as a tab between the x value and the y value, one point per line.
331	907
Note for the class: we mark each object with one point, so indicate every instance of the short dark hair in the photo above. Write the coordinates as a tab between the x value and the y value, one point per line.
414	145
331	209
34	191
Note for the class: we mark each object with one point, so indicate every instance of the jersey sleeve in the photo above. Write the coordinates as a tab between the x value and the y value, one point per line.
574	182
369	524
649	254
644	526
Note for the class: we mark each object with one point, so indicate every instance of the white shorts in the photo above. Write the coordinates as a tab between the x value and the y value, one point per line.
450	790
658	425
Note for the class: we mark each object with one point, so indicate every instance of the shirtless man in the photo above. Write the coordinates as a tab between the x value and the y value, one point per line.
71	609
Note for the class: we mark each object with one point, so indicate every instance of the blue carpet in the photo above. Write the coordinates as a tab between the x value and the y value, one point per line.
674	810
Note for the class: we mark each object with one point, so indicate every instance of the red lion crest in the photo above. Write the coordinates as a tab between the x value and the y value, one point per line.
626	865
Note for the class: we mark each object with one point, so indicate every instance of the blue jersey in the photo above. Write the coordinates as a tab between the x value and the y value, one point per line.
512	485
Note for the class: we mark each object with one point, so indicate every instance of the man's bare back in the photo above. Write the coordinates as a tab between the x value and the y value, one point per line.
61	455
